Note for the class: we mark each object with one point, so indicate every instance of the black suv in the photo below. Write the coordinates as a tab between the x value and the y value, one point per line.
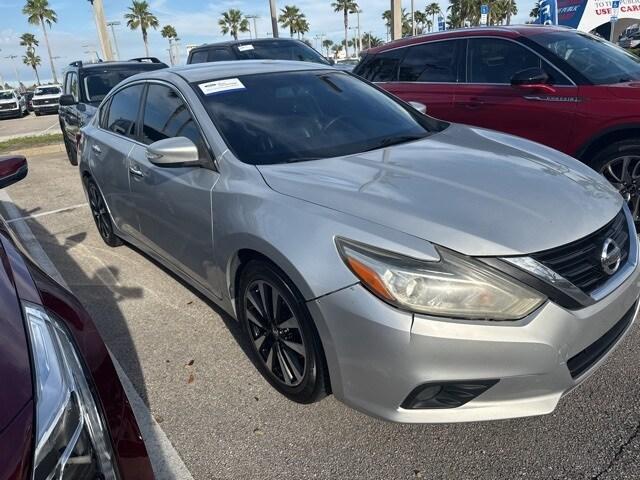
258	49
84	87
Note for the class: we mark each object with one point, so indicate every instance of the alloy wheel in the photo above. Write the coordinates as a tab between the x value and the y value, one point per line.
99	212
623	172
276	333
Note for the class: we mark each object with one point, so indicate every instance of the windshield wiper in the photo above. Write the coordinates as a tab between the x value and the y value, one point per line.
390	141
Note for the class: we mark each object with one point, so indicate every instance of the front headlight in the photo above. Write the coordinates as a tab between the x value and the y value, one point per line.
454	287
71	440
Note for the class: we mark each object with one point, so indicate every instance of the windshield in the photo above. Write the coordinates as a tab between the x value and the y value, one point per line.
295	116
97	83
599	61
279	50
47	91
6	96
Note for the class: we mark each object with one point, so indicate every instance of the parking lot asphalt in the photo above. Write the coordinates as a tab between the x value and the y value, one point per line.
187	362
29	125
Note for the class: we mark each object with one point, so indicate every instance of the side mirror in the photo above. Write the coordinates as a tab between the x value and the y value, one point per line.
421	107
331	61
13	168
173	152
532	79
66	100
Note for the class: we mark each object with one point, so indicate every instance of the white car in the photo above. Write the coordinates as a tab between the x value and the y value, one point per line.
12	104
46	99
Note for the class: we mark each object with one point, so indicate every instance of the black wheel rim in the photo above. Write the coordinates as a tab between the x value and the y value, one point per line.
99	212
624	173
276	333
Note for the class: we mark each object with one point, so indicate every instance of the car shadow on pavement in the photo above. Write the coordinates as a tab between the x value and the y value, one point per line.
99	292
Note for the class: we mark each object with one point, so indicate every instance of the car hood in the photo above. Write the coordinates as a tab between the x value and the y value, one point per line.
472	190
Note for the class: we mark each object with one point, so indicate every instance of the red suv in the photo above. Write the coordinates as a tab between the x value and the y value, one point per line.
569	90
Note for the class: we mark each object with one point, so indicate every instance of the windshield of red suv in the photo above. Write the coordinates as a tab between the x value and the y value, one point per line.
599	61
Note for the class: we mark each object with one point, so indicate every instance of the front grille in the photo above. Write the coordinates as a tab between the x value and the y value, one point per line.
8	106
44	102
579	261
583	361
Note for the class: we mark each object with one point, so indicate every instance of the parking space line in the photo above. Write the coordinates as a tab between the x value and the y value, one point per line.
165	460
42	214
49	128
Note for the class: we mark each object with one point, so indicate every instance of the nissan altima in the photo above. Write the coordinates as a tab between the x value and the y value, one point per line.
421	271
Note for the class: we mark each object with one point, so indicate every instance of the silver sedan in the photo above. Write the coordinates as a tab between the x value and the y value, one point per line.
421	271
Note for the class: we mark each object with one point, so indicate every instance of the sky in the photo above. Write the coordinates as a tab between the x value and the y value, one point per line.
196	21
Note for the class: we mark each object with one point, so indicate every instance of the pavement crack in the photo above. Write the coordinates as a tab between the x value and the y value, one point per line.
619	452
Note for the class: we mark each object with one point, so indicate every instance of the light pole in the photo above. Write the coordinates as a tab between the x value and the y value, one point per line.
413	20
274	17
396	19
113	35
358	12
255	27
101	26
15	69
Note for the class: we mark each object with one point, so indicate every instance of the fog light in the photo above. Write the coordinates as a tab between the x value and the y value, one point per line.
446	394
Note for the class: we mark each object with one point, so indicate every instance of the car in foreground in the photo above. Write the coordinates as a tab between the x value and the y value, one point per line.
420	270
46	99
84	87
64	413
12	104
260	49
566	89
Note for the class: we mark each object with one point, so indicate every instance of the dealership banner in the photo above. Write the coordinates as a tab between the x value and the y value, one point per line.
586	15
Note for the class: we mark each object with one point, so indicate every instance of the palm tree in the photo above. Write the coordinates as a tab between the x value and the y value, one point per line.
30	58
433	9
302	25
336	49
289	17
327	44
406	21
346	7
370	40
140	17
29	40
39	13
169	32
535	11
233	21
421	21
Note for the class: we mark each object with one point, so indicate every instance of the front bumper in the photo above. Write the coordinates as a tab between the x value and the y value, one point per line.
10	112
377	355
48	108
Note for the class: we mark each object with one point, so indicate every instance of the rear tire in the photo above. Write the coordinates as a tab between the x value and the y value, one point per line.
620	164
283	342
101	215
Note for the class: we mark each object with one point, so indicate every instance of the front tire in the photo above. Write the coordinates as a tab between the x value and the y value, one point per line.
101	215
72	154
284	344
620	164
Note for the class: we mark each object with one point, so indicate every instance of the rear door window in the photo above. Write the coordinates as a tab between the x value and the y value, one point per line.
432	62
123	111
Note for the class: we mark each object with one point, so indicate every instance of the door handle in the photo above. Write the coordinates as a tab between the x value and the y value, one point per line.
135	170
96	149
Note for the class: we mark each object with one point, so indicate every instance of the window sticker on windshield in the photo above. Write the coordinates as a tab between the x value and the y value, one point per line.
219	86
244	48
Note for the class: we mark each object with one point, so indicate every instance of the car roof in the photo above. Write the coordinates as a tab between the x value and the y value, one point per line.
511	31
200	72
245	41
115	64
